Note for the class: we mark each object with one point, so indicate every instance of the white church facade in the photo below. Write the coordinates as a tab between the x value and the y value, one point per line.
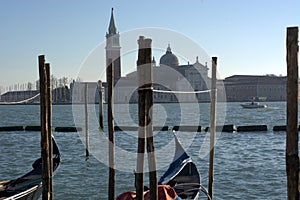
168	75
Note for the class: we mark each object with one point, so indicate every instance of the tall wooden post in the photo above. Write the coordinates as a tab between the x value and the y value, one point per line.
101	125
45	100
49	112
145	84
149	123
87	144
111	137
212	125
292	158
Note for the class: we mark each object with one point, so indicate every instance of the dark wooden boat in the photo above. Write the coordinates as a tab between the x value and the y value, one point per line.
183	175
28	186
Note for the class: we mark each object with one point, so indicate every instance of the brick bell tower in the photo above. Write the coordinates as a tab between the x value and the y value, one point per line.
113	48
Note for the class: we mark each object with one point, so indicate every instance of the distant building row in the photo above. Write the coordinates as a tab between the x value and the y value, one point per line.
60	95
234	88
263	88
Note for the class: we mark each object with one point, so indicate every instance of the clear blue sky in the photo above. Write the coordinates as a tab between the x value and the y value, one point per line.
248	36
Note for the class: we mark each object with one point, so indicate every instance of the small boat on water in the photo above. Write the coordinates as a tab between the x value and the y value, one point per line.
28	186
254	105
180	181
183	176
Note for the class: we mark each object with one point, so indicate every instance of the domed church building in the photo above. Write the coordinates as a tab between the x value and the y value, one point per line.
169	75
169	58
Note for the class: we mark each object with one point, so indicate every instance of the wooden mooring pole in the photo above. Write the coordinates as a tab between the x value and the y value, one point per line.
101	125
139	174
49	108
87	144
111	137
46	135
292	158
212	125
145	104
148	90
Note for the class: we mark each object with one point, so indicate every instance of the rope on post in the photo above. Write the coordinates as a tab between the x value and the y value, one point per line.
181	92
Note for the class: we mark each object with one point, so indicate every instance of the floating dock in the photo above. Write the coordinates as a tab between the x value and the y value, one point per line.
38	128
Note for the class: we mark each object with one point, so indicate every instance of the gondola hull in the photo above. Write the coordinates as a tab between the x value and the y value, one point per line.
28	186
182	175
32	193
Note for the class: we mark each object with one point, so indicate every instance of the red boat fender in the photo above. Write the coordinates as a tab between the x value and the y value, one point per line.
165	192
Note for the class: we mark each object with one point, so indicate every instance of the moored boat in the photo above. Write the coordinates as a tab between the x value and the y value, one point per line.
254	105
183	176
28	186
180	181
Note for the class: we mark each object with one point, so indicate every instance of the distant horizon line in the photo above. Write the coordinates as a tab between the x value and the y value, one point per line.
33	86
78	78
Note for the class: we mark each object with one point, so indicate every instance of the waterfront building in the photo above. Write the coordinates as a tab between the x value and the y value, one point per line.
93	92
60	95
17	96
247	87
171	76
168	75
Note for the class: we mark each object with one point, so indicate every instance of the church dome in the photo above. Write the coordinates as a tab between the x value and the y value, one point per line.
169	58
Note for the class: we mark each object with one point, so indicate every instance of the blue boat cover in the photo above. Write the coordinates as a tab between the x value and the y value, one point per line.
182	174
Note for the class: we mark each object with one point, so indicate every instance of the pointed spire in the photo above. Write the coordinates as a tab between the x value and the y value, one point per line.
153	62
169	49
112	29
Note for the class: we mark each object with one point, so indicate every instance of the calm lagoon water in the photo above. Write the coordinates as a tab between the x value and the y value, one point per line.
248	165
